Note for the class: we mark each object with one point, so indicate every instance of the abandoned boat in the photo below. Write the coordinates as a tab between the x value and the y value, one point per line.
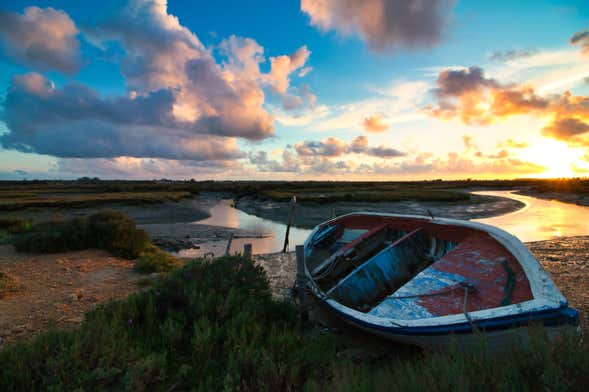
432	282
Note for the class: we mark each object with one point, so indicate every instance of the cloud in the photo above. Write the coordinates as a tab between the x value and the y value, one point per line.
509	55
262	162
476	99
332	147
566	128
374	124
282	66
182	102
74	121
511	143
42	38
581	39
141	168
383	24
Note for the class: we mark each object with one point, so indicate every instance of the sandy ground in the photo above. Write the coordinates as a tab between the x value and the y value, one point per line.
59	288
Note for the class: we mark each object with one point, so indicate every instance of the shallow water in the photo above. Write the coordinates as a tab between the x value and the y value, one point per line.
271	233
540	219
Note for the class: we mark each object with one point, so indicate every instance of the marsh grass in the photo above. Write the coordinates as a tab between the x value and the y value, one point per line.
213	325
363	195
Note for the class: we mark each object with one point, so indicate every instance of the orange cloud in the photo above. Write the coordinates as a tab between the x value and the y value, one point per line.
374	124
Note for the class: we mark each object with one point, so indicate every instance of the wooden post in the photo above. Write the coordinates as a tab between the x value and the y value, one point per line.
293	203
229	244
301	282
247	251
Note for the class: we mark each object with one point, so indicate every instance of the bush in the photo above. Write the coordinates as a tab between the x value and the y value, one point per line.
109	230
215	326
206	326
155	260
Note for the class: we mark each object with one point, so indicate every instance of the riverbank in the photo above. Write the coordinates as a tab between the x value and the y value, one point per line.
310	214
564	196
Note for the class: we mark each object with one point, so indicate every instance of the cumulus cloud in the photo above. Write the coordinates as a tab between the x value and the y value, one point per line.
281	67
476	99
42	38
383	24
581	39
182	102
374	124
74	121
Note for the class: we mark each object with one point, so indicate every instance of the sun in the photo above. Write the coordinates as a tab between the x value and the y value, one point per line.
558	158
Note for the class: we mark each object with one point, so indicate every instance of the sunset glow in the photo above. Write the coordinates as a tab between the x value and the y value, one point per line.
319	89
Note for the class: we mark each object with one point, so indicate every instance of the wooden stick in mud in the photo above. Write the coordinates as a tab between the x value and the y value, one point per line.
247	251
301	282
229	244
293	203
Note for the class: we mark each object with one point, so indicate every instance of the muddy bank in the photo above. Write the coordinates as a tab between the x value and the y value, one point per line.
308	215
174	237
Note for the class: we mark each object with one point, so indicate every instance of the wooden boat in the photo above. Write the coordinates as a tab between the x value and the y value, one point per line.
432	282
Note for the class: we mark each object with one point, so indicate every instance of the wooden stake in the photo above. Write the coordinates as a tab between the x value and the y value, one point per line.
293	204
229	244
301	282
247	251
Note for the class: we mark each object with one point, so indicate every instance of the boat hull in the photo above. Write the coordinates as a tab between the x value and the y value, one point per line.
499	327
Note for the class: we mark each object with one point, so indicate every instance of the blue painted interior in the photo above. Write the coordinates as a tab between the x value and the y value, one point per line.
381	274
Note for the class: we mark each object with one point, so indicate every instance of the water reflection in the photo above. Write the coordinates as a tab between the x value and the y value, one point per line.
269	235
540	219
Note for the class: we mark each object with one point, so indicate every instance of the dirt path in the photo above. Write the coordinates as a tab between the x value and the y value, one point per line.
59	288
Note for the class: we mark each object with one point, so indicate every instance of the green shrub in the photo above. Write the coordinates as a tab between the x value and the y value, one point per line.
117	233
109	230
215	326
155	260
206	326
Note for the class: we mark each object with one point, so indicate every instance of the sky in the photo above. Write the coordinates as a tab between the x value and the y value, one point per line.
316	89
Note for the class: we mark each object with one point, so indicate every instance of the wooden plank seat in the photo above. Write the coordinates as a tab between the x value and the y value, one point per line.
384	272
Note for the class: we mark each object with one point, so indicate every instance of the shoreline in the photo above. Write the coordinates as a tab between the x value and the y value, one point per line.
308	215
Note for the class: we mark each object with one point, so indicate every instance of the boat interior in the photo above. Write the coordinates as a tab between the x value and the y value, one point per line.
408	268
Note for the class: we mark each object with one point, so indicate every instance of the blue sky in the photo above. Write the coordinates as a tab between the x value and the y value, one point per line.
349	97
